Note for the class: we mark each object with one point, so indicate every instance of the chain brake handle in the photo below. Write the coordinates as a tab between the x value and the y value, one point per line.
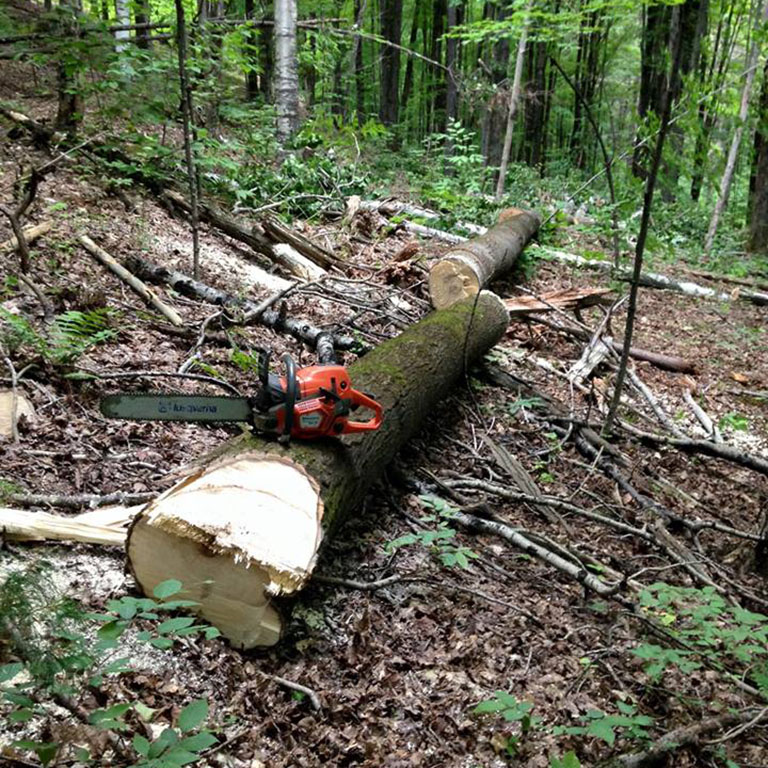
360	399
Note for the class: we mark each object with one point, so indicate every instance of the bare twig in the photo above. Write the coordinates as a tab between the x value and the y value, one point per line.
308	692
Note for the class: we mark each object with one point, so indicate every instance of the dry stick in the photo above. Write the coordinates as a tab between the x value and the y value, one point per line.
30	234
473	523
186	108
21	241
195	353
607	161
646	220
654	403
680	738
138	286
76	501
162	374
14	397
308	692
709	426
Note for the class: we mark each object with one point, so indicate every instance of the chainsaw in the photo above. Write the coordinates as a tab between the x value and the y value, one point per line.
306	403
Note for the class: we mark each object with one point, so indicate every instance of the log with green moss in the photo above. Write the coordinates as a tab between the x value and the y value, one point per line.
247	523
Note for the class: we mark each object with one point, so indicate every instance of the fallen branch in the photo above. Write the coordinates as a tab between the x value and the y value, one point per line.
299	329
137	285
76	501
30	234
710	427
652	279
473	523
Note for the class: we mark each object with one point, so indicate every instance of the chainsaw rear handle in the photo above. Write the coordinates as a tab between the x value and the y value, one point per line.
360	399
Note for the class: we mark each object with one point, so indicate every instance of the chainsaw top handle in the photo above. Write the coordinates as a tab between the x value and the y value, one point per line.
360	399
291	395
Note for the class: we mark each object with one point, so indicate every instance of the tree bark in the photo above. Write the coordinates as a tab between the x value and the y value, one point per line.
252	72
248	523
464	270
69	109
733	153
142	17
123	16
391	29
286	70
758	204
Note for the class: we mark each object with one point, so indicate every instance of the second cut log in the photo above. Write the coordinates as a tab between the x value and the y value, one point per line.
470	266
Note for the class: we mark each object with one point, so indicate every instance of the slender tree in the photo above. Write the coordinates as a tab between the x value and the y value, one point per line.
286	70
69	108
187	112
642	235
758	200
761	16
514	98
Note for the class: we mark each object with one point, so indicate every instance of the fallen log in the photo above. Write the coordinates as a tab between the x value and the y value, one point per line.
653	279
30	235
107	260
464	270
187	286
390	208
247	523
256	239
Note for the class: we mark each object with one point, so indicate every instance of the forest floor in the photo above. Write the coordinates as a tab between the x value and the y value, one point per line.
398	670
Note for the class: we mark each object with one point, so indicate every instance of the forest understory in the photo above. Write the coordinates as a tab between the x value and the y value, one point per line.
400	636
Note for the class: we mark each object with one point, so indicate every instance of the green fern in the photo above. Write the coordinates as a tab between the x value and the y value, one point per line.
70	335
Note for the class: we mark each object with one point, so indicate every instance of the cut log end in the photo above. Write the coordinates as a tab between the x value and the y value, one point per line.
451	281
202	532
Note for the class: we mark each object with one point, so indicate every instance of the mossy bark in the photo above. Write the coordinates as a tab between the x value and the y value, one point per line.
407	374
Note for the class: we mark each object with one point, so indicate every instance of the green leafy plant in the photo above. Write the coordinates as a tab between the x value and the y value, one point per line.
735	421
436	539
568	760
513	711
711	632
628	723
58	662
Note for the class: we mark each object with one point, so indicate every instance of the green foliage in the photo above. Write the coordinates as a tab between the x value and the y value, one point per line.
628	724
436	539
57	657
711	631
568	760
513	711
69	336
734	421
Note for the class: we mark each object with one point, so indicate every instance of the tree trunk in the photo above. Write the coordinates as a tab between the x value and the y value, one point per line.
730	166
758	202
123	17
69	111
142	16
247	524
286	70
252	71
357	58
464	270
391	27
514	98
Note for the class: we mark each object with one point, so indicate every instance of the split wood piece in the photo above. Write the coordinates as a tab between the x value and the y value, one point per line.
594	354
188	286
567	299
287	256
22	525
653	279
710	428
320	258
464	270
138	286
30	234
246	524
